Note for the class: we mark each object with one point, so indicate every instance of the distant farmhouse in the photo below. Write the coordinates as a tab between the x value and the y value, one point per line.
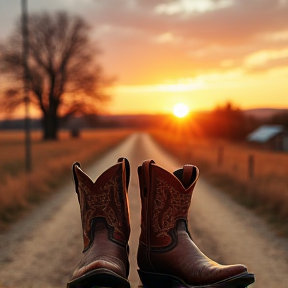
273	137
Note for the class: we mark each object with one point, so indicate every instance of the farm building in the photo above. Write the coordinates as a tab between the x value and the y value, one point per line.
273	137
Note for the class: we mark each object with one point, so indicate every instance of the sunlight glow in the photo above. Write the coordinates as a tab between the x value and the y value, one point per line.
179	85
180	110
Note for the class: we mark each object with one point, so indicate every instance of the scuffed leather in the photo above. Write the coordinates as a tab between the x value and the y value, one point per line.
165	245
103	253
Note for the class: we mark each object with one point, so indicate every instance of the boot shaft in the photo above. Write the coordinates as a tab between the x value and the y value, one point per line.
165	199
105	199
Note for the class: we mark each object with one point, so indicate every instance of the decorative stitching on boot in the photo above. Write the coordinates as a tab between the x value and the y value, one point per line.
169	205
104	202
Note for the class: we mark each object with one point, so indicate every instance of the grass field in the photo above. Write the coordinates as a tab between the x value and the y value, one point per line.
262	186
225	164
51	162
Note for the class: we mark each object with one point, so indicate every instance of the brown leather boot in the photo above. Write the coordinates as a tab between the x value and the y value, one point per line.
106	228
167	256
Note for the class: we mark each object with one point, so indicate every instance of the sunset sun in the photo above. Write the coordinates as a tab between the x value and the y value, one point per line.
180	110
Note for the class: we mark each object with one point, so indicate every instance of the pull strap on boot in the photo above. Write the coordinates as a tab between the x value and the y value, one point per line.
106	227
167	256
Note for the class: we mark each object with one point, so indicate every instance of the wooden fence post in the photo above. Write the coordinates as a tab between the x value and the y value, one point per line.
251	167
220	156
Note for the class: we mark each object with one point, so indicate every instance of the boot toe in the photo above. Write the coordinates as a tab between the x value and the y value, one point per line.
224	272
237	269
103	265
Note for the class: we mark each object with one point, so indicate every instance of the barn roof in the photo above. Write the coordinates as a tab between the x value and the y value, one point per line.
265	133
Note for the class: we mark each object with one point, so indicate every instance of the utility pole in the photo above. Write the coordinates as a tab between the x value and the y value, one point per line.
25	53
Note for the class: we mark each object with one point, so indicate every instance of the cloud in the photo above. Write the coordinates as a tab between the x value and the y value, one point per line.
150	40
167	37
187	6
263	57
266	59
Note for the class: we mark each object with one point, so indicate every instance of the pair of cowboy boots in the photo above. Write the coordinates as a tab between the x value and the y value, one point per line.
167	255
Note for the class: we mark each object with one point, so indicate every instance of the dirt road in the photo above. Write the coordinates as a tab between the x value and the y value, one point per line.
43	249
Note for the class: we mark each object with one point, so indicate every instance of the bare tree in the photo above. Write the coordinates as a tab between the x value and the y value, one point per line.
64	77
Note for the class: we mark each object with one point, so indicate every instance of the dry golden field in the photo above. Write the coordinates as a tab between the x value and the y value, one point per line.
51	162
262	186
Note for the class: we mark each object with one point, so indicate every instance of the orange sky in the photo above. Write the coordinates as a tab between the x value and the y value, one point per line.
201	52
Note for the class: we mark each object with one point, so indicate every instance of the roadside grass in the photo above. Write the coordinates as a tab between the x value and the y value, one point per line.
261	185
51	162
